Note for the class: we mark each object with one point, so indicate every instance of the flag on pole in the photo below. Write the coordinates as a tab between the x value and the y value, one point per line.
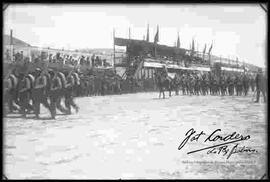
147	34
210	49
204	49
157	36
11	37
193	45
178	41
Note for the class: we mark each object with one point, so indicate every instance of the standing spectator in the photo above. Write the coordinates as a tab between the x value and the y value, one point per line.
88	61
93	60
260	85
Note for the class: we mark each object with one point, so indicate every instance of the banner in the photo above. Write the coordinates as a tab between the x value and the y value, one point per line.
120	42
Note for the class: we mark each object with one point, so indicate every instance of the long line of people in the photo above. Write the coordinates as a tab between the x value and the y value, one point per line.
25	91
239	84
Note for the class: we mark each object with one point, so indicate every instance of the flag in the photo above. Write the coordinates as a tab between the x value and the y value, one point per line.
178	42
147	34
210	48
157	36
193	45
204	49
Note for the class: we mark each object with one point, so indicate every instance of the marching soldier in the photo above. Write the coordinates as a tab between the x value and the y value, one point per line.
252	83
31	78
223	85
55	90
196	84
48	80
260	85
203	84
13	91
24	87
7	86
38	93
61	93
245	84
69	93
230	85
77	82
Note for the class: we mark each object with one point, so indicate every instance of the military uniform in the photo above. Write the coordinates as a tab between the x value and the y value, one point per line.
61	93
13	92
223	85
55	90
7	96
260	85
24	87
245	84
39	94
69	94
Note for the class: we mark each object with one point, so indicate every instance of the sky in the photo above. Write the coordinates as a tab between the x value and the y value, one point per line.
237	30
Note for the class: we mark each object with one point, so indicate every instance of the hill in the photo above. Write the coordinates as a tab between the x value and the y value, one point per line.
16	41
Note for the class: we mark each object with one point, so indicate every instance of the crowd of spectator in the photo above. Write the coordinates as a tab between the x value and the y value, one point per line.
68	59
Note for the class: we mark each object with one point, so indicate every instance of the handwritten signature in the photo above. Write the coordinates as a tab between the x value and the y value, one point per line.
222	148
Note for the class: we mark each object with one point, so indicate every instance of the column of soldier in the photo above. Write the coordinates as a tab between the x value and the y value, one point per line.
207	83
26	91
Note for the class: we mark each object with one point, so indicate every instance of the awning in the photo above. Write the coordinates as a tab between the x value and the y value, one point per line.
173	66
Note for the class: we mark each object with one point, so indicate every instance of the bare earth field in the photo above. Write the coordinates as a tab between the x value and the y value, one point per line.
137	136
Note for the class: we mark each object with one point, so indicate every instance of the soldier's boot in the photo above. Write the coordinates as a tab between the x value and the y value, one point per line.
68	106
60	107
257	96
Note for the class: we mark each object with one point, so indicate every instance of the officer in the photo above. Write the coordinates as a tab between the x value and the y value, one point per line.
260	85
38	93
164	71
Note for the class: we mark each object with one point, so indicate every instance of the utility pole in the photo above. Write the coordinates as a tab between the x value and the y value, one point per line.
11	45
113	48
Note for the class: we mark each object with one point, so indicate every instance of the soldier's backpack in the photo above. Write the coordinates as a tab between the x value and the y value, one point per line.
63	79
32	80
76	78
14	81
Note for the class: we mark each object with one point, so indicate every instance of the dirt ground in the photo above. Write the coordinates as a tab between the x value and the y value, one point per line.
136	136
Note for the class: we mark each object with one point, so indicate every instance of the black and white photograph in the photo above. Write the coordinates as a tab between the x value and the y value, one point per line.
134	91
